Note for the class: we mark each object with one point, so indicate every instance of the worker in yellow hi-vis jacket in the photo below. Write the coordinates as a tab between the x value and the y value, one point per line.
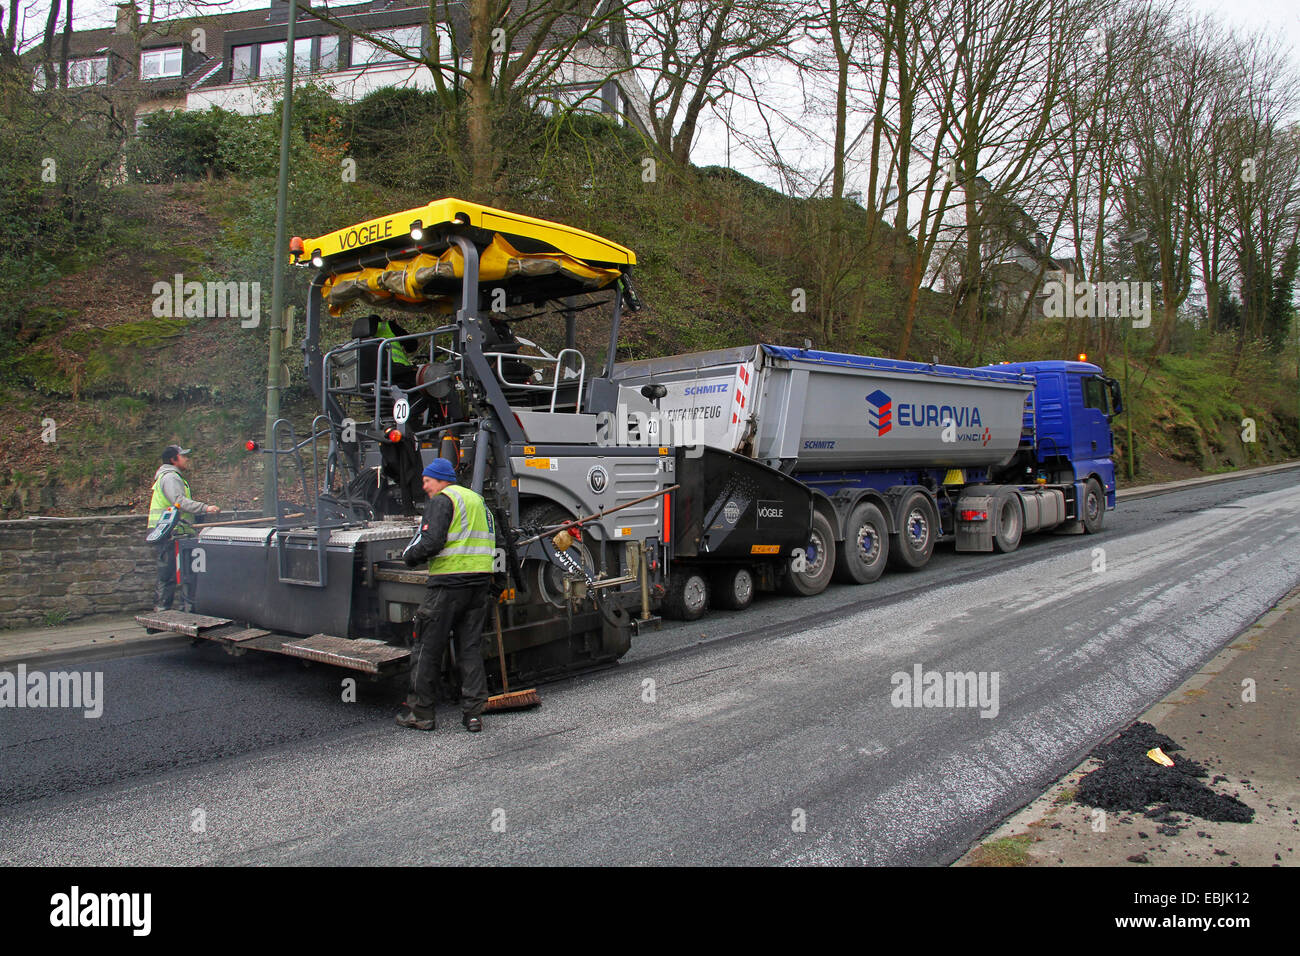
459	540
170	489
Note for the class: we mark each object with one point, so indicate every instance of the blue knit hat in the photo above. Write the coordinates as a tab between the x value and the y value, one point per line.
440	469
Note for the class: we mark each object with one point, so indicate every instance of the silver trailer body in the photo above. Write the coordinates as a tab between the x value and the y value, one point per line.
810	411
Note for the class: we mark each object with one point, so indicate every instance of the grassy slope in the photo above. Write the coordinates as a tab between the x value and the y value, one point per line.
120	383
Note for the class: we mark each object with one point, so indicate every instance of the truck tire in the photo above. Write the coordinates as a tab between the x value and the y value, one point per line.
688	595
819	562
543	579
1093	511
863	553
1011	522
733	589
918	529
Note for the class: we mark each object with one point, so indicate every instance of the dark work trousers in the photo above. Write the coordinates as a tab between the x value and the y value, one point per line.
446	610
165	591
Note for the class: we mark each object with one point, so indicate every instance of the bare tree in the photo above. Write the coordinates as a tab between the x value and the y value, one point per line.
1264	191
689	47
1165	165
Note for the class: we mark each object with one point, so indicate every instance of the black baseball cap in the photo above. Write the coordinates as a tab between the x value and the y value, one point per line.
171	451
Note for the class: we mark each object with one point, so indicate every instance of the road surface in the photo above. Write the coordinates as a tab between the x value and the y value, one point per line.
769	736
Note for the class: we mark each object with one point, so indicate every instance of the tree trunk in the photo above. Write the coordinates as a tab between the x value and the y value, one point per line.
47	51
479	103
67	42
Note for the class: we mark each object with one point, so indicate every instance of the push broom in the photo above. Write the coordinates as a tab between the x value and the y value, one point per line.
508	699
523	699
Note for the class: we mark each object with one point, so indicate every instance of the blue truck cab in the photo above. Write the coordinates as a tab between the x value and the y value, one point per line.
1067	435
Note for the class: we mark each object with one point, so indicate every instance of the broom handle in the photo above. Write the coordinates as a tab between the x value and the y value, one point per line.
501	650
599	514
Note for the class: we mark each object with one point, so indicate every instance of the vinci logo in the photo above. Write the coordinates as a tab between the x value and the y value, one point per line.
880	411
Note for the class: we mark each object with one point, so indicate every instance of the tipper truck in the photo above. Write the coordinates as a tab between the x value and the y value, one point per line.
898	455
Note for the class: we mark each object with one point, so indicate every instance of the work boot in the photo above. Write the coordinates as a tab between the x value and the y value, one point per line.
417	718
472	724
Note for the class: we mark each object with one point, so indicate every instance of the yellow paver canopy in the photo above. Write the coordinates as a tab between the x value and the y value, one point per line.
420	268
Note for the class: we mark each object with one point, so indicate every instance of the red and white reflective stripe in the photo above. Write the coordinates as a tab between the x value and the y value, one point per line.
742	391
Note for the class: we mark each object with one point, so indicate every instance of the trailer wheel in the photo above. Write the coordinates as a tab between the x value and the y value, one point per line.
864	551
733	589
688	595
1093	512
818	562
917	532
1011	523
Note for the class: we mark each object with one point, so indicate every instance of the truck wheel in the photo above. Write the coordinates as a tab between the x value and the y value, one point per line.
688	596
818	562
1093	511
863	553
917	532
733	589
1011	523
542	578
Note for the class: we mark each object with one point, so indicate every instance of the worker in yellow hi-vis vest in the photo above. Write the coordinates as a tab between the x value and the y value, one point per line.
170	489
402	368
459	540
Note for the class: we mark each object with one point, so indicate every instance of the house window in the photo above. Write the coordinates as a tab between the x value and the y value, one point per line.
408	38
265	61
88	72
242	62
328	57
156	64
271	60
302	54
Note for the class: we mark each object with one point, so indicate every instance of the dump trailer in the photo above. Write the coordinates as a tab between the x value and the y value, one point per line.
898	455
321	577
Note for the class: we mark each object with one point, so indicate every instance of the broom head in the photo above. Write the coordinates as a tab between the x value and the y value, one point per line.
514	700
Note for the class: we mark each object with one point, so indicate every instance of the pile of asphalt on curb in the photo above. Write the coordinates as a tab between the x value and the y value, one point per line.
1130	780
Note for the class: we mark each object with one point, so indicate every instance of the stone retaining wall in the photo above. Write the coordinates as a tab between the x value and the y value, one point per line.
60	569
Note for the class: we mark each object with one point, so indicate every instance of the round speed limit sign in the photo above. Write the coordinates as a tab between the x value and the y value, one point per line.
401	411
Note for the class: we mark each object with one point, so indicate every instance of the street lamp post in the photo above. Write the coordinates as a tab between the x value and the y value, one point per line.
271	493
